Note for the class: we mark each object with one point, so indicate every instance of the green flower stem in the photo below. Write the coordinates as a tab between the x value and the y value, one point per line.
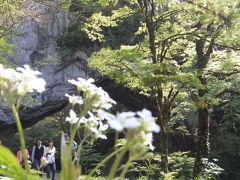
20	132
19	103
81	146
126	168
117	162
103	162
75	128
85	110
66	163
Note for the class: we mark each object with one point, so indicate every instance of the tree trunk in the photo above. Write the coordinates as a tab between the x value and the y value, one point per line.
203	130
164	150
203	140
150	25
163	117
203	114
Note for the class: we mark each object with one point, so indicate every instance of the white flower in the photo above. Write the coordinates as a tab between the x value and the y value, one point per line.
27	72
83	120
8	79
124	120
73	117
92	120
21	81
147	121
105	115
28	81
99	130
74	99
101	99
9	74
82	84
128	120
104	100
148	138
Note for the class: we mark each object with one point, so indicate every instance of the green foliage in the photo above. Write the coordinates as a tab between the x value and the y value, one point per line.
97	21
176	35
120	64
225	141
182	115
175	52
181	163
180	167
129	66
123	34
211	170
90	158
10	167
170	176
75	38
6	49
95	4
9	164
10	11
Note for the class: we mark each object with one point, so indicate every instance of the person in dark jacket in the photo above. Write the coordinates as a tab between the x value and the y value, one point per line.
37	153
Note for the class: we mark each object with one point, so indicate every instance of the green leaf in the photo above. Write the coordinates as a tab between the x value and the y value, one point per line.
10	167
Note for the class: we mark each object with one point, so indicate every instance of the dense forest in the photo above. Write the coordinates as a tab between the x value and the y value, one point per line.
147	89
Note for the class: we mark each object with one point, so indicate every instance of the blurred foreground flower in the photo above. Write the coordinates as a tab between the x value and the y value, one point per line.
20	81
98	101
100	98
74	99
82	84
148	121
129	120
147	138
28	81
89	112
14	84
140	124
124	120
93	100
72	119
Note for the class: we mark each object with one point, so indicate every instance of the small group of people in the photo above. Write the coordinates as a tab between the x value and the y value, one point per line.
42	157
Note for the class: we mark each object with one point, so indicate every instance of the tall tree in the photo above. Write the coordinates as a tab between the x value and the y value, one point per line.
149	66
217	23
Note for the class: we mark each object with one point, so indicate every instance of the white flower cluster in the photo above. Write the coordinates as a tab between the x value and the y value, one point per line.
74	99
131	120
20	81
100	101
142	121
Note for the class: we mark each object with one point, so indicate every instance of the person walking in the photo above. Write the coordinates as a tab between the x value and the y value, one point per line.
37	153
49	153
20	156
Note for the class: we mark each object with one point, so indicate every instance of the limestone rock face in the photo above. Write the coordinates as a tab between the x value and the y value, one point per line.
6	116
38	31
36	44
